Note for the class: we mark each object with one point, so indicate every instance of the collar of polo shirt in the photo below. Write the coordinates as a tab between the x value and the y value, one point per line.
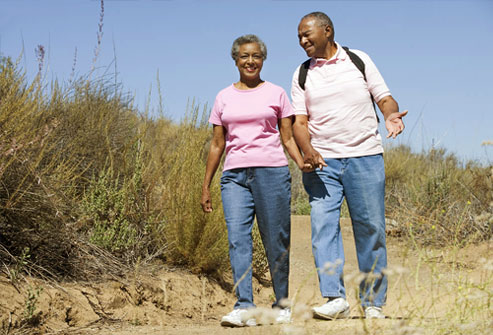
339	55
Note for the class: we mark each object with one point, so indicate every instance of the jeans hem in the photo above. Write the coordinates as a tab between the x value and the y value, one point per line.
367	304
334	295
244	306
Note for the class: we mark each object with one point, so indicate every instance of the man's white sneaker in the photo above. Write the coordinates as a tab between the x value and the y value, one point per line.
334	309
238	318
284	316
373	312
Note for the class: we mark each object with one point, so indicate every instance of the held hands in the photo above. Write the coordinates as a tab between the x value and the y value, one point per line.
306	167
206	201
313	160
394	124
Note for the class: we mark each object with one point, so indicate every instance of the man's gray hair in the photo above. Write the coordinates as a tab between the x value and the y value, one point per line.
322	19
250	38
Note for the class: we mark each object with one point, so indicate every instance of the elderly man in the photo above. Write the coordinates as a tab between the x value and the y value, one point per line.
337	129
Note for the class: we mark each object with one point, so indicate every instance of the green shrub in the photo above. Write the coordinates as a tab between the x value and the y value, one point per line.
106	204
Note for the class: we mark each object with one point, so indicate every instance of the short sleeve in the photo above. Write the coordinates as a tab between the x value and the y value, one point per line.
376	84
216	112
286	109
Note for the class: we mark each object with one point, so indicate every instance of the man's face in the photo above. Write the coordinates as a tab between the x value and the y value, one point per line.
313	37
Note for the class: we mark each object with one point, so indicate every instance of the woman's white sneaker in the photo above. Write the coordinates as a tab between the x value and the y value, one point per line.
238	318
284	316
334	309
373	312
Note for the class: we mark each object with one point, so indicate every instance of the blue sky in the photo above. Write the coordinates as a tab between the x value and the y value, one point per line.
436	56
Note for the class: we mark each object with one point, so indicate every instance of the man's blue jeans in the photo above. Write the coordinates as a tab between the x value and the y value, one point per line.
264	192
361	180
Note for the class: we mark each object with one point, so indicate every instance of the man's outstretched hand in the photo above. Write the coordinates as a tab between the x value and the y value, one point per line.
394	124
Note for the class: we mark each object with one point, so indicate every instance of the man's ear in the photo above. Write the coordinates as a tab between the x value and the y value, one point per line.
328	31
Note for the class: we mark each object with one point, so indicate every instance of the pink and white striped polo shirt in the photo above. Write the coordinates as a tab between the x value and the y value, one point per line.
341	119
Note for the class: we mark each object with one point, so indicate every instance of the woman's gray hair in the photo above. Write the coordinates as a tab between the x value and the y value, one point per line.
250	38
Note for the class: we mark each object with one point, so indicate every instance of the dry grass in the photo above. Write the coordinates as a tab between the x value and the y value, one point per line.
82	171
438	200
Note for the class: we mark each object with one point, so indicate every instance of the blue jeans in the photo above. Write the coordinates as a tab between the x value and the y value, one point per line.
361	180
264	192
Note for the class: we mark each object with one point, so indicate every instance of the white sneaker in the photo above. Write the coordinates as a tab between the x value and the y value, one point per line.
334	309
284	316
373	312
237	318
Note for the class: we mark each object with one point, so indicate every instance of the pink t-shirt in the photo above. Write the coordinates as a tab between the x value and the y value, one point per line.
250	118
341	119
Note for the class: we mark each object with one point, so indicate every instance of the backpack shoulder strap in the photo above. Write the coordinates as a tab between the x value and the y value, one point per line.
303	72
356	61
306	65
361	66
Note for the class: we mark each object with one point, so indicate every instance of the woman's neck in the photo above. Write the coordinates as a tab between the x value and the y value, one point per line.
243	84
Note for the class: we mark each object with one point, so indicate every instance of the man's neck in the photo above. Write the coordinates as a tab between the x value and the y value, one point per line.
330	50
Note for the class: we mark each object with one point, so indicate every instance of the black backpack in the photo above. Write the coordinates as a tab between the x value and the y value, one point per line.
356	61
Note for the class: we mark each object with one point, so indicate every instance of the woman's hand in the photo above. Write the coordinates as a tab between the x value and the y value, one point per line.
215	152
206	201
306	167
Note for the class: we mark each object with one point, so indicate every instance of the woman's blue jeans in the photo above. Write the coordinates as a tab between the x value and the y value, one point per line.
264	192
361	180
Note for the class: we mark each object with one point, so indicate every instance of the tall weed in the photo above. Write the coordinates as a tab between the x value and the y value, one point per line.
196	239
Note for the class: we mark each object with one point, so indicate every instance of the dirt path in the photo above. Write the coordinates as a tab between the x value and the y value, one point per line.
180	303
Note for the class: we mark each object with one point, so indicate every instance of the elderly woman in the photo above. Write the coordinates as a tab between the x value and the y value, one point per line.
250	118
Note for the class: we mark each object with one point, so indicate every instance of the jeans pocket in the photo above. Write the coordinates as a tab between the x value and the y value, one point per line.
229	176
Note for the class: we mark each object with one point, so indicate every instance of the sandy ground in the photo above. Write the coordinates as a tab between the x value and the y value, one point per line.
177	302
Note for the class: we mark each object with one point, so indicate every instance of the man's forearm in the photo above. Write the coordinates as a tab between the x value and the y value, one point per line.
302	137
388	106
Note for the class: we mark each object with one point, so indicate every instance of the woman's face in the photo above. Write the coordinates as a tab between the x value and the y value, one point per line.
250	61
